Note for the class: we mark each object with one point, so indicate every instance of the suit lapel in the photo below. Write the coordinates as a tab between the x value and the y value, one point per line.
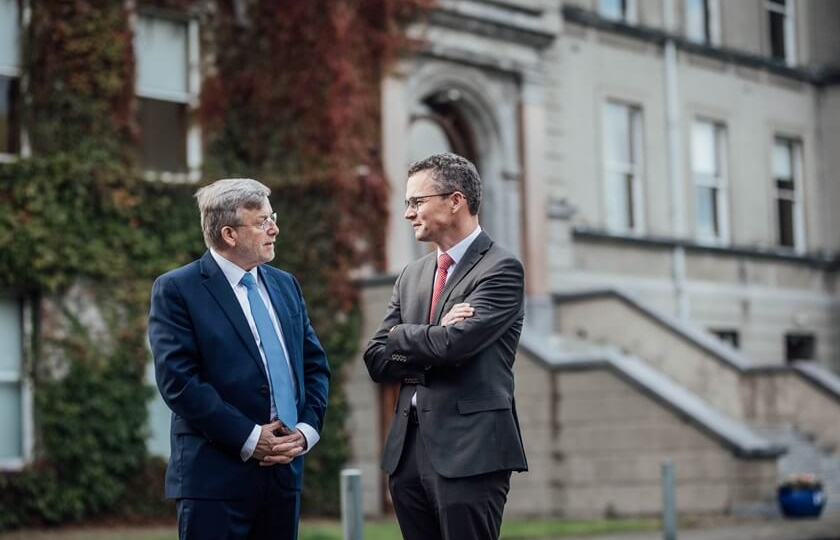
424	288
219	287
474	254
281	308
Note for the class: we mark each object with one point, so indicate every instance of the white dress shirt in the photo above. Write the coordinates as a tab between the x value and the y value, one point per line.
457	253
234	274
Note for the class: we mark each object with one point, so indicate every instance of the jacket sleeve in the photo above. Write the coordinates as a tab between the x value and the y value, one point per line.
382	366
177	371
498	302
316	371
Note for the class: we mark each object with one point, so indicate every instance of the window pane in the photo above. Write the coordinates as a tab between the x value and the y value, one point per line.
11	424
707	211
777	35
426	137
9	34
619	201
785	209
11	335
696	20
703	148
163	136
782	162
618	134
9	120
161	48
800	347
611	9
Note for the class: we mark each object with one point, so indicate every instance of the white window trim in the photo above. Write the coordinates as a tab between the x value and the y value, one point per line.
713	9
630	15
27	419
635	170
794	195
190	98
720	182
790	28
16	72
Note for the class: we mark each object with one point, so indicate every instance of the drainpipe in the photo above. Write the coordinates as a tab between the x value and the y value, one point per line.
674	157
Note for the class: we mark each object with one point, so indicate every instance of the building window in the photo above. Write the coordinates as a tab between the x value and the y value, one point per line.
729	337
800	347
708	163
10	71
702	21
167	87
787	176
15	402
623	165
780	24
618	10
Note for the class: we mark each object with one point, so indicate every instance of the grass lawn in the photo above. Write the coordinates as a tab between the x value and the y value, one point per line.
374	530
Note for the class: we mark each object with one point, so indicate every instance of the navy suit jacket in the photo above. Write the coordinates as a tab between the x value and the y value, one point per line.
210	374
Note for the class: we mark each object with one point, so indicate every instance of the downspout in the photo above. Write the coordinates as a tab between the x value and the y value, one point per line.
674	157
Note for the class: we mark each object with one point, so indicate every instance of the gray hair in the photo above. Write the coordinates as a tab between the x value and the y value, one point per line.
451	172
219	205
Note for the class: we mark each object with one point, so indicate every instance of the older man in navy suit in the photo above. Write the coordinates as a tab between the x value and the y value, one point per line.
237	361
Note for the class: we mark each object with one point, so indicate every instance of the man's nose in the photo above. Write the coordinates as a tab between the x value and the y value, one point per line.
409	212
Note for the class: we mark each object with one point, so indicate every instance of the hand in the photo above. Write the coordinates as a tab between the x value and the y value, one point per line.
285	449
458	313
267	439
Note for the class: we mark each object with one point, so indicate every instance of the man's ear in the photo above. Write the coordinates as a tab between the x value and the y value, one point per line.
229	236
458	200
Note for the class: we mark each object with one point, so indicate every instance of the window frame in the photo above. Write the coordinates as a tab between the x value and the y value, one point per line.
711	31
24	16
629	15
26	396
789	39
635	170
190	98
795	195
718	181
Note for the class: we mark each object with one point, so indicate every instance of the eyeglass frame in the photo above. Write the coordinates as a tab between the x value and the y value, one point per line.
263	226
415	202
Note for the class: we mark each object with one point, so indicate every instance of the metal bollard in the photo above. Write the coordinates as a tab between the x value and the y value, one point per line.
669	501
352	520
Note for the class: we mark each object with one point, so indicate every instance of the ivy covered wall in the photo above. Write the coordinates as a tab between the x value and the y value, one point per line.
290	96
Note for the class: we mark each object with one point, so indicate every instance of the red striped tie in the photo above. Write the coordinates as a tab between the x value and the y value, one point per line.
444	262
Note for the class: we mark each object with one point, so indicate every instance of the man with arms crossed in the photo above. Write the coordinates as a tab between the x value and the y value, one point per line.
450	336
239	364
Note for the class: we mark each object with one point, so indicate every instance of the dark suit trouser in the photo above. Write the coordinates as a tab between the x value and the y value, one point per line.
431	507
271	514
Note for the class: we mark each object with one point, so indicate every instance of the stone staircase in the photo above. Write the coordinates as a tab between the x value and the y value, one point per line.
804	455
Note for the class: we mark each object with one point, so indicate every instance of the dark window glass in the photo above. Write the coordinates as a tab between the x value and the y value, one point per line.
800	347
785	222
728	336
163	135
777	35
9	119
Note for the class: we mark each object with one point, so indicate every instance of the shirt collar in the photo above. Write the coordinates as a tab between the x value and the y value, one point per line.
457	251
231	270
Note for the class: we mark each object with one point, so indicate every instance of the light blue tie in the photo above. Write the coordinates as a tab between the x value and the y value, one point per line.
275	357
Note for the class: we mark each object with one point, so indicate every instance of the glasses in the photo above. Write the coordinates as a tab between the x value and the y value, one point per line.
264	224
415	202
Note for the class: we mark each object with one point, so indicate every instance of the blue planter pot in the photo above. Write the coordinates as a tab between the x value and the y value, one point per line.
801	502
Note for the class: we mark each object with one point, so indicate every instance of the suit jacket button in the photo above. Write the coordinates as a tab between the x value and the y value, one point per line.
264	389
405	412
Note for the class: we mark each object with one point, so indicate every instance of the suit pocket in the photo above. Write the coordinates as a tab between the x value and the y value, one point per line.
182	427
496	402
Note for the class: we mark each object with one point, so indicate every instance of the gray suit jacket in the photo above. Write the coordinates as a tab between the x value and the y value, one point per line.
464	372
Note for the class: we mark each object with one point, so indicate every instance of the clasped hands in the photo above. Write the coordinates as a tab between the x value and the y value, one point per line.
278	444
